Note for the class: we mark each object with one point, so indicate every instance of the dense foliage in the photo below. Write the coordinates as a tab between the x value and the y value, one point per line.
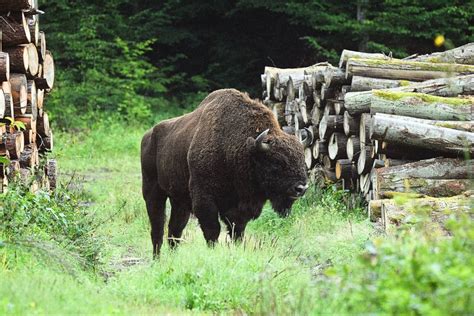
138	57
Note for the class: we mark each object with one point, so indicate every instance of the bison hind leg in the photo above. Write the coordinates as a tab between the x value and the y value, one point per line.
155	200
179	218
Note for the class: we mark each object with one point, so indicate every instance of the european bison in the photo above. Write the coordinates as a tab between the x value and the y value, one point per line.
224	159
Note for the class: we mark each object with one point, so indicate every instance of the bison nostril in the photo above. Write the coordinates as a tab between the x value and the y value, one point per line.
301	189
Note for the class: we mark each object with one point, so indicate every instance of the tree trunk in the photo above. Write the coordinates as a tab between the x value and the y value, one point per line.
353	148
4	67
15	143
337	146
400	130
348	54
405	70
359	102
459	55
14	33
19	58
367	83
420	105
19	93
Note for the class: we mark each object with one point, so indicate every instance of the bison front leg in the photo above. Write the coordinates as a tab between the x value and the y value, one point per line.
207	215
235	228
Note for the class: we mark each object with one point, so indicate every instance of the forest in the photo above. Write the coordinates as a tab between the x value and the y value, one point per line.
123	66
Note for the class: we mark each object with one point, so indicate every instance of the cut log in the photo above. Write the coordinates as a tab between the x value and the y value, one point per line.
30	136
2	104
287	129
421	105
19	93
28	120
28	158
19	58
15	144
345	169
459	55
316	115
278	109
305	136
4	67
389	162
329	109
14	5
400	130
41	46
47	79
442	177
14	33
364	163
347	54
33	60
335	77
339	108
308	158
34	30
467	126
364	130
330	124
359	102
48	141
328	163
337	146
353	148
405	70
40	98
42	125
351	124
32	104
320	148
367	83
13	169
7	91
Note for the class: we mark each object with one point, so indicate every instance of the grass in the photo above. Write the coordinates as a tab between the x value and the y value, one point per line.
300	265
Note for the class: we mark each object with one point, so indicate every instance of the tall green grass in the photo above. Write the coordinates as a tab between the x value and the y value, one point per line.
324	258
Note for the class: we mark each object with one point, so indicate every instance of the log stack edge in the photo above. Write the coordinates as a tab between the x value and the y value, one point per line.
382	127
26	77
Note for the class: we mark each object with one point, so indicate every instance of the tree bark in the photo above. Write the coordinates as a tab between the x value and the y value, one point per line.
364	130
359	102
41	46
15	143
345	169
320	148
400	130
14	33
28	120
467	126
19	58
33	60
367	83
32	103
459	55
328	163
4	66
9	110
28	158
364	163
278	109
42	125
335	77
423	106
51	171
316	115
348	54
405	70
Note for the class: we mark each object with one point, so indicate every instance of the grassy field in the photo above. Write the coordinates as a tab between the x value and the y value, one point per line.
324	258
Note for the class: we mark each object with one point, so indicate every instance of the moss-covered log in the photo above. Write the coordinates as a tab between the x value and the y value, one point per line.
347	54
460	55
400	130
421	105
367	83
405	70
467	126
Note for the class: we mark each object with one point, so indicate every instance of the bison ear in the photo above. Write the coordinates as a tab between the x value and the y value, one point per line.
260	142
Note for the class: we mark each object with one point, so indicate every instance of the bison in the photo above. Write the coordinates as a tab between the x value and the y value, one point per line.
223	160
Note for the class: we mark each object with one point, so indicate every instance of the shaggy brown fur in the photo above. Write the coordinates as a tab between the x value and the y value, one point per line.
208	162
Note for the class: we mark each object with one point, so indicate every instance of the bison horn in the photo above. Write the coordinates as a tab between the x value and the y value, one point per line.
261	145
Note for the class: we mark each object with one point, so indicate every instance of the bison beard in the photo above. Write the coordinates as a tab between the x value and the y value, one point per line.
223	160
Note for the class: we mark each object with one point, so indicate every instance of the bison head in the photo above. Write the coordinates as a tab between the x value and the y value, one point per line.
279	169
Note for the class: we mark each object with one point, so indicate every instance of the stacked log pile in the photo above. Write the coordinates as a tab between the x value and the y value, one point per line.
380	126
26	77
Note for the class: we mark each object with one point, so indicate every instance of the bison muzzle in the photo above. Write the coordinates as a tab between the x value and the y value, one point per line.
223	160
